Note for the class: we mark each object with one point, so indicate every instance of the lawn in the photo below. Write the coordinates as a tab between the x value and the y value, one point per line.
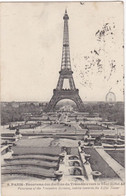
59	128
55	151
92	126
118	155
29	162
99	164
34	142
28	171
32	157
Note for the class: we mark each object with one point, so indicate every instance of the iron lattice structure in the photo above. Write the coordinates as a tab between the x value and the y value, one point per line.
65	74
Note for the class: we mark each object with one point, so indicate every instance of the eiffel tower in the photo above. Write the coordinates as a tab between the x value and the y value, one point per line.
65	74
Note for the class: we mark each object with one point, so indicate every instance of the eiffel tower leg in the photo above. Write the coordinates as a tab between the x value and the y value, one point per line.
51	105
79	103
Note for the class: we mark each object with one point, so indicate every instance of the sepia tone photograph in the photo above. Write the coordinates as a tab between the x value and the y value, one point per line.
62	96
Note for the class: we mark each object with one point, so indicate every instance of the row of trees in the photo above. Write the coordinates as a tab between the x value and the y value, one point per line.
13	114
113	112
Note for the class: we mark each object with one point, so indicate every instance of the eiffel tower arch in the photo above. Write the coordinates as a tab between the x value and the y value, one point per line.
65	74
65	94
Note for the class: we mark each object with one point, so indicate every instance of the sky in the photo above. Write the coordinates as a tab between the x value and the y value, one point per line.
31	49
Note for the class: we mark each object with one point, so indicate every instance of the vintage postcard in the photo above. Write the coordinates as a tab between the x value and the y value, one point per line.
62	98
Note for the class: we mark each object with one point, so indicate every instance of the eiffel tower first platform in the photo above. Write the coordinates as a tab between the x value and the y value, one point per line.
65	74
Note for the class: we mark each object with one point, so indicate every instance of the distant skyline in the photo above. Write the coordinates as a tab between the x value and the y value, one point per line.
31	49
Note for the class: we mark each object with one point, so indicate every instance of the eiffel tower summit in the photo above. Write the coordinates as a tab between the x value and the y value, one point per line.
65	73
